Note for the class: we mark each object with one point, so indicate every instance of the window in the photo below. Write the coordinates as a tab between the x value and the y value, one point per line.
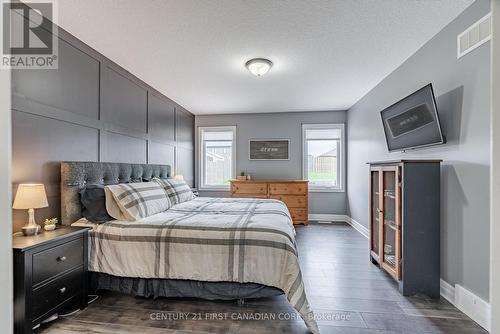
217	156
323	148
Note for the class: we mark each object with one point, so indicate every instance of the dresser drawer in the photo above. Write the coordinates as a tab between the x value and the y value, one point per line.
51	295
56	260
292	201
288	188
248	196
298	215
249	188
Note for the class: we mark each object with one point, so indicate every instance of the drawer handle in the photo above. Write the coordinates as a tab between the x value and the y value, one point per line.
61	258
63	289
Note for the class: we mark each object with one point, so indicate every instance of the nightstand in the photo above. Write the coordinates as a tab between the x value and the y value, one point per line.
50	274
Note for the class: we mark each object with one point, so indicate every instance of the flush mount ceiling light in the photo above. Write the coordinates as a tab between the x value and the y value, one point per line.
259	66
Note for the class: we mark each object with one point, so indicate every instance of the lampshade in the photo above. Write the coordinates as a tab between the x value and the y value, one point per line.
30	196
179	177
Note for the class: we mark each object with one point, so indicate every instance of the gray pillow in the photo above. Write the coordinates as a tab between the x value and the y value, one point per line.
93	202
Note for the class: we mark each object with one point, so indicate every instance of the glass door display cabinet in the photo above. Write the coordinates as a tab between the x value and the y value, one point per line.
385	220
404	223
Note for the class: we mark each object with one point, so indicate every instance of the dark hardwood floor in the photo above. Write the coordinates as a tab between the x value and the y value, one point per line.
347	293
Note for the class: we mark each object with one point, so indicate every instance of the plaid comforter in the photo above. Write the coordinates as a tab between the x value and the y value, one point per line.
207	239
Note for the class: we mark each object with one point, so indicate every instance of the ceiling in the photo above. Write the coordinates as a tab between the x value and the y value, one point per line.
327	54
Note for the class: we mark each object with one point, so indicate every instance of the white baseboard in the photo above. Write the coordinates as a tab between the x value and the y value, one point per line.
330	218
466	301
359	227
447	291
327	218
473	306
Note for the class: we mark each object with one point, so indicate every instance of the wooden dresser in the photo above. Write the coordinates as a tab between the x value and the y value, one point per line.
292	192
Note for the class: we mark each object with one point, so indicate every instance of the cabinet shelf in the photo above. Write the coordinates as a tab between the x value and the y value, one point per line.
391	224
390	260
390	194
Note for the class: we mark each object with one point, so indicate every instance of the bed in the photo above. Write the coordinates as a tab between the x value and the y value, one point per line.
211	248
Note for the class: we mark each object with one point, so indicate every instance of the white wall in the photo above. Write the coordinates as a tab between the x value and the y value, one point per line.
6	316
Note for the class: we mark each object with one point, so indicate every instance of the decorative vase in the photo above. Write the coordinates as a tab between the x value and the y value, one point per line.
50	227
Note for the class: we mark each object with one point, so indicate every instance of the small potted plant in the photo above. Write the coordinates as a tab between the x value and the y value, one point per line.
50	224
241	177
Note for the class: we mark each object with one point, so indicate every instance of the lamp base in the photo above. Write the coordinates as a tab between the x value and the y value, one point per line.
31	228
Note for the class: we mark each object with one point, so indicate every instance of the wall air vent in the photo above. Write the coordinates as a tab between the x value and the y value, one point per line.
474	36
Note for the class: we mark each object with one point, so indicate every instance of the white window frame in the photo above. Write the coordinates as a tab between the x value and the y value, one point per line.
340	159
201	149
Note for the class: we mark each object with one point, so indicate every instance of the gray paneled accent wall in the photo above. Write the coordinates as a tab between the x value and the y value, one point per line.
277	125
123	102
184	134
462	88
91	109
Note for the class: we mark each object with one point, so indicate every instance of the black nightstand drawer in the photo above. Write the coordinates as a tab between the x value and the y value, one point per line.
53	261
51	295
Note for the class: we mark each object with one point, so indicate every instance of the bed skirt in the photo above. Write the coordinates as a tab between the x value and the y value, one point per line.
157	287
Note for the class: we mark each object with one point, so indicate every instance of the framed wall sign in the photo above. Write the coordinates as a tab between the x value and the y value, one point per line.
269	149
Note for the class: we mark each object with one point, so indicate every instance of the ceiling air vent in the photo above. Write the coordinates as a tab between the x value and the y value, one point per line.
474	36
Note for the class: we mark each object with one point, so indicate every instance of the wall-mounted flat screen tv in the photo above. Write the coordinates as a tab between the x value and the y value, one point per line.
413	122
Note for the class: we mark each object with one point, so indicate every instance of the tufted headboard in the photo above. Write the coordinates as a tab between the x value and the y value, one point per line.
75	175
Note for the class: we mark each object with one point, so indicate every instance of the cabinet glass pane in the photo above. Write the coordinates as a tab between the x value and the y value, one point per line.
389	246
389	214
375	211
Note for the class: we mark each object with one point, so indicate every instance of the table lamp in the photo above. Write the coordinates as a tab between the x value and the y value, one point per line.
179	177
30	196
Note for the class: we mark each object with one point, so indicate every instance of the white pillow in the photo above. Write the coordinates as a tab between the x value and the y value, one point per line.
112	207
136	200
177	190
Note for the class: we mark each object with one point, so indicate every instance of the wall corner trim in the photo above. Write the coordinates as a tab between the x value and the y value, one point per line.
466	301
